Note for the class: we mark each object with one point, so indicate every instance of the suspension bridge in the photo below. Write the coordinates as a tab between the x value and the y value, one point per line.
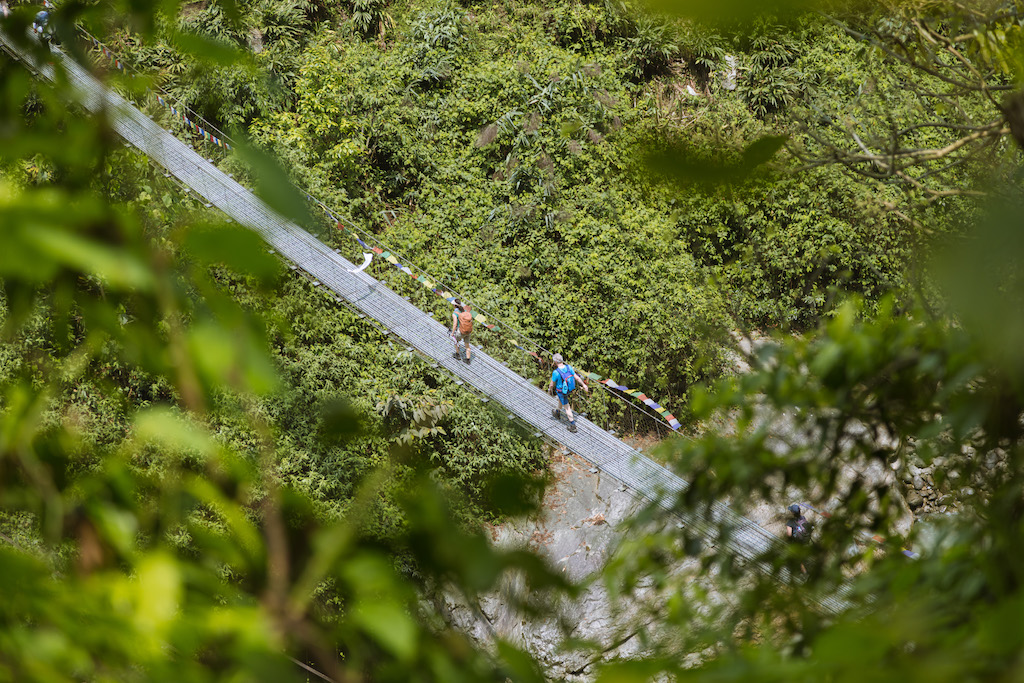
371	298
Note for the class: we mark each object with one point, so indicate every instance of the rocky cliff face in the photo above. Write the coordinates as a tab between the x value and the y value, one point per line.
576	532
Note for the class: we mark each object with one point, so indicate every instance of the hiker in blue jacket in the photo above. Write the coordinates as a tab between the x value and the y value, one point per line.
40	21
563	381
41	25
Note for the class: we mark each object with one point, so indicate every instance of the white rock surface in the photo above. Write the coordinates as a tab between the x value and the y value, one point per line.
577	533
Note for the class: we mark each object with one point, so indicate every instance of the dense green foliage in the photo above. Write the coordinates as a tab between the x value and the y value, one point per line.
206	466
496	147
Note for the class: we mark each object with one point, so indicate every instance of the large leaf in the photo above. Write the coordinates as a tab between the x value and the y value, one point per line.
731	12
685	165
274	186
234	246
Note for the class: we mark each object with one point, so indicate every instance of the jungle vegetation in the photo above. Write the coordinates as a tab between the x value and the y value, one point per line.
210	471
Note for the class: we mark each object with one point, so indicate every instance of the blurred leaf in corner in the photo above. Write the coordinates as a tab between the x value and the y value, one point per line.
274	186
681	164
982	275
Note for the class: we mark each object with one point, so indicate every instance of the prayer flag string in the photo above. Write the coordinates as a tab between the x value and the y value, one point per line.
187	122
482	319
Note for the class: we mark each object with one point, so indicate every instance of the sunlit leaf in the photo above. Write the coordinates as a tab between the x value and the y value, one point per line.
233	246
684	165
732	12
118	268
227	357
173	431
159	593
208	49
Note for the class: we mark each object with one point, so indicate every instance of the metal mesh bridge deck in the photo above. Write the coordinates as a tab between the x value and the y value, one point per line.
417	329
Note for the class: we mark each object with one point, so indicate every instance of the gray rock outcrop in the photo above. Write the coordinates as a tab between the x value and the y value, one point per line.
577	531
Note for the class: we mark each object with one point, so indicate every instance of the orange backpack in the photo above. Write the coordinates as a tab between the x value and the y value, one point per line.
465	322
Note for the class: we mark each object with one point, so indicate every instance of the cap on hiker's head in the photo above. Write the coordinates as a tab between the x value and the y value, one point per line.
557	358
795	509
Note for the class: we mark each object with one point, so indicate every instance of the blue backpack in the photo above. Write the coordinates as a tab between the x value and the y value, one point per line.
566	379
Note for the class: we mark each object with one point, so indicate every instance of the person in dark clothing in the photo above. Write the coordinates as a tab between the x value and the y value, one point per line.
797	526
798	529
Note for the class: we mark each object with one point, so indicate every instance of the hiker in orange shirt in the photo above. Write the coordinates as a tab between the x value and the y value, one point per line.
462	328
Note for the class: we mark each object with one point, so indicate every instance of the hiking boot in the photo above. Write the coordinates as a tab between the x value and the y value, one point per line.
555	413
467	360
456	355
572	427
